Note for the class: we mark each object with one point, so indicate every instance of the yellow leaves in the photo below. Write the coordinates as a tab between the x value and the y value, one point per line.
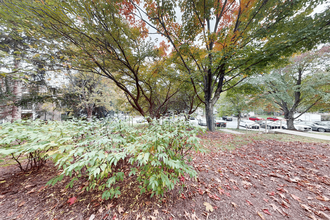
208	207
260	215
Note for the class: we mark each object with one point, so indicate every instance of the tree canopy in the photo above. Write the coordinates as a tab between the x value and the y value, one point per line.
214	41
301	84
218	41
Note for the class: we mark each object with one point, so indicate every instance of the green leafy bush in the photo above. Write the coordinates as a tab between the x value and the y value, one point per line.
156	154
32	140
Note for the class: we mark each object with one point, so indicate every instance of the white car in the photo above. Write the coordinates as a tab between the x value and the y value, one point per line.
302	127
141	120
249	124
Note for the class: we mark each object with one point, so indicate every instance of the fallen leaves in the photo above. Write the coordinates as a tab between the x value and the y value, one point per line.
295	198
208	207
72	200
249	202
278	209
322	198
260	215
120	209
266	211
262	194
31	191
215	197
155	212
109	206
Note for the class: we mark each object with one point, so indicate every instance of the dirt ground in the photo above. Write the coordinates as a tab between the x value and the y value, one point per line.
261	180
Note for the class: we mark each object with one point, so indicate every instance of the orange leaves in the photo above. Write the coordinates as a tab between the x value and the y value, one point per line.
163	47
127	9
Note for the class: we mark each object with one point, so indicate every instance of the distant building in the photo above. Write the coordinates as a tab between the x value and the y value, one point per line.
20	91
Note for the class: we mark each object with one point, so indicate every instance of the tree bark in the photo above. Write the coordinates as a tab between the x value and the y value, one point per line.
209	116
89	113
238	119
16	110
288	115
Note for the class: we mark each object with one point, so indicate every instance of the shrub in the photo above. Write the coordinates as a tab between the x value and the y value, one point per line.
157	154
32	140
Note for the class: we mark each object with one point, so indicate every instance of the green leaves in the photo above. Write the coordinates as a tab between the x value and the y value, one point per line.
102	152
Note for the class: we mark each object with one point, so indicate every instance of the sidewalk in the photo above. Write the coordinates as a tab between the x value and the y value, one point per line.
230	131
304	134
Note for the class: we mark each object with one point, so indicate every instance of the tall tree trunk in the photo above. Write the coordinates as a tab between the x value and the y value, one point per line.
17	92
209	116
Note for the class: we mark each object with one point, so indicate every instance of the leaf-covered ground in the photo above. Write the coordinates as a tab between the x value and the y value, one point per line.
263	179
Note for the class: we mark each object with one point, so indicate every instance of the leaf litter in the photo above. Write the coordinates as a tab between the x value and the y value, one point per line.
262	179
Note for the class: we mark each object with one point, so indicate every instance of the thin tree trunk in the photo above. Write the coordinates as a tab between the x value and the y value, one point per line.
238	119
89	113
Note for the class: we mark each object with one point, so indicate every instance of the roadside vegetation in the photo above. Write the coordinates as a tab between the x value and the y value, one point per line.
98	151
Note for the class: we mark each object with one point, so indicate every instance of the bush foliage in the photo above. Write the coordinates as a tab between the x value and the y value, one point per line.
156	154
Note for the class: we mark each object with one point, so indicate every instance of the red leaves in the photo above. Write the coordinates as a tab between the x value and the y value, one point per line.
200	191
72	200
266	211
296	198
249	202
221	191
215	197
271	194
182	196
227	187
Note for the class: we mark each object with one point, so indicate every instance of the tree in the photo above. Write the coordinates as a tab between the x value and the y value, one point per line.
101	38
300	85
217	41
23	62
241	98
185	101
88	91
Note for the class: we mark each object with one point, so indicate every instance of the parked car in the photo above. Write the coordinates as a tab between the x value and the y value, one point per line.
227	118
202	122
279	123
317	126
218	123
274	118
249	124
270	125
254	118
193	121
141	120
302	127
